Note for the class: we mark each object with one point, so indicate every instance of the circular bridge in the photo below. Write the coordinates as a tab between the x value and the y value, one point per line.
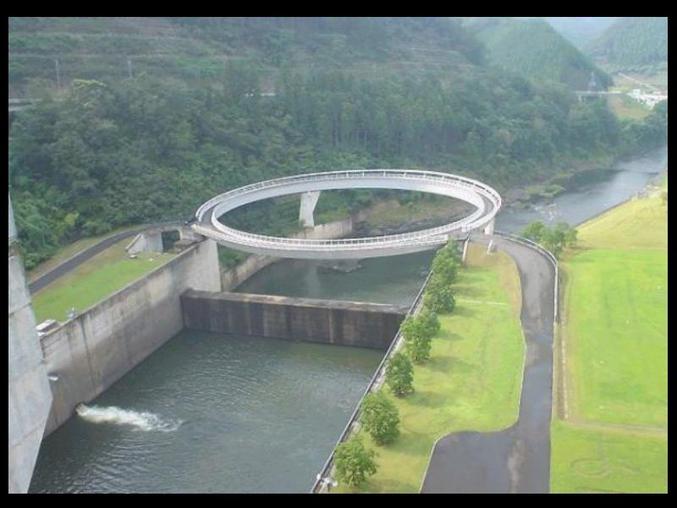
486	200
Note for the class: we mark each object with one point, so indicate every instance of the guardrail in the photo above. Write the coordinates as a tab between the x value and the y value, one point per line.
549	255
465	188
323	475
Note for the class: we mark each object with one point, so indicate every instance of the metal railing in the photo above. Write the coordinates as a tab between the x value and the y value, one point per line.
380	373
467	189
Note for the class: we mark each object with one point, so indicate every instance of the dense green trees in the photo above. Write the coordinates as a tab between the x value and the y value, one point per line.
111	154
554	239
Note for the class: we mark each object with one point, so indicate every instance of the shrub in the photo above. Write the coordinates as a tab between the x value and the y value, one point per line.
400	375
380	418
354	462
419	349
439	297
429	322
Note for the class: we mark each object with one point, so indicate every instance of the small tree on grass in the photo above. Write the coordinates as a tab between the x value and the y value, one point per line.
354	462
429	322
400	375
419	349
380	418
439	297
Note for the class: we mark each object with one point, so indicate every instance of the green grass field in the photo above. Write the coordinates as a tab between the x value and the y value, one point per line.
615	330
93	280
472	381
69	250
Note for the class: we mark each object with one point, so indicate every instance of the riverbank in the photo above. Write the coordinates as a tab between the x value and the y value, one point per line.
610	430
472	380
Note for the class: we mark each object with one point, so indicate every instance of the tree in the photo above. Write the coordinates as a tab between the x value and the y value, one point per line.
400	375
534	231
429	322
354	462
380	418
419	349
439	297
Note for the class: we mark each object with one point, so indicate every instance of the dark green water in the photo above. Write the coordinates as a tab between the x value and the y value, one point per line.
208	413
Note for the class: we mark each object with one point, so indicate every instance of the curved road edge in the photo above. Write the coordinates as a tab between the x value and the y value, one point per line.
516	459
80	257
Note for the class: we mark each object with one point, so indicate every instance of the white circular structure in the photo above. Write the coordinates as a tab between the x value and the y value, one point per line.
486	200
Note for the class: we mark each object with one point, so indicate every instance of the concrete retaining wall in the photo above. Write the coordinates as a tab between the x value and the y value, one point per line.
29	391
90	352
327	321
232	278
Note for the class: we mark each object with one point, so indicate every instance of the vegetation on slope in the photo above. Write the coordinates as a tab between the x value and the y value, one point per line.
634	45
615	330
94	280
106	154
533	49
580	30
196	50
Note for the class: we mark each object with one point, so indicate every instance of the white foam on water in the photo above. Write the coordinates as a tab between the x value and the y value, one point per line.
138	420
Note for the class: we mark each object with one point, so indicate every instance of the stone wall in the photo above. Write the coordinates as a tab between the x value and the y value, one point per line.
327	321
89	353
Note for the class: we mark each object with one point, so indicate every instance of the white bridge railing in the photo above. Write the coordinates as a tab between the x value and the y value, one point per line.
486	199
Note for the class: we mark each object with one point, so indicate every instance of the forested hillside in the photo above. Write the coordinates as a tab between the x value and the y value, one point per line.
580	31
104	153
633	45
53	51
533	49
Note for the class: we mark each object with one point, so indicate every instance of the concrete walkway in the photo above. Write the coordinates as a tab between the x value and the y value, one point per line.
516	459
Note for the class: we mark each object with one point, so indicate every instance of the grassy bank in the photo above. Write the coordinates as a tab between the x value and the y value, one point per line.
93	280
472	381
614	328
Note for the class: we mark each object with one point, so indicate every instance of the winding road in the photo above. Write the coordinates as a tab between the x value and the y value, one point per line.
516	459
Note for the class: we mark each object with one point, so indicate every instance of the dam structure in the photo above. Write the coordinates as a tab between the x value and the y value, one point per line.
486	200
94	349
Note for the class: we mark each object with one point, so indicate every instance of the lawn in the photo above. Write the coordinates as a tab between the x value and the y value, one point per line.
68	251
615	330
93	280
472	381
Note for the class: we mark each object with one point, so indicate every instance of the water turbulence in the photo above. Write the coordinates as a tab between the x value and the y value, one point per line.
143	421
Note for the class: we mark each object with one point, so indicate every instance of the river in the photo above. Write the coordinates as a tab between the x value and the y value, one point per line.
211	413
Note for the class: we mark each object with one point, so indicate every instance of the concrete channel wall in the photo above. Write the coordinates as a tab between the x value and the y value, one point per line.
89	353
344	323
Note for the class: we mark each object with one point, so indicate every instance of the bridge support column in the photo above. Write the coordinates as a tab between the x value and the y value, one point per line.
308	203
189	235
489	228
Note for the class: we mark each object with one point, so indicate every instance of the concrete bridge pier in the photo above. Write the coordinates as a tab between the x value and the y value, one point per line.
308	203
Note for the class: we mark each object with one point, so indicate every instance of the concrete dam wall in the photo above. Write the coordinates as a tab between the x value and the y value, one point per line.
89	353
345	323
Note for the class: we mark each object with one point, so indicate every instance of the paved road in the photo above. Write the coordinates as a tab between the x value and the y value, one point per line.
516	459
84	255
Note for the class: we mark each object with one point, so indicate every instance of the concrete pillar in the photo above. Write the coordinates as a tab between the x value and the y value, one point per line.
186	233
308	202
465	249
489	228
30	396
